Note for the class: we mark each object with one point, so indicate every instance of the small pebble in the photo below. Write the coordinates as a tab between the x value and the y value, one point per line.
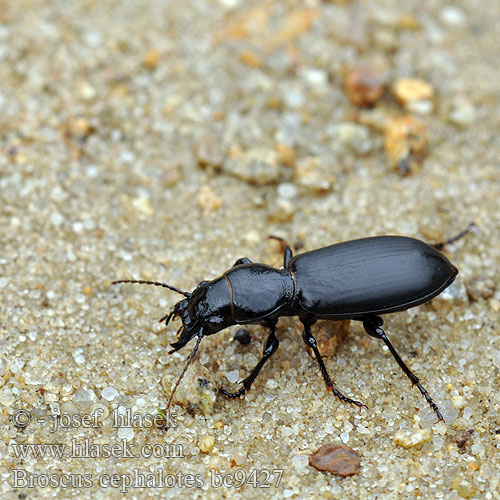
311	172
242	336
420	107
287	190
364	86
143	205
463	487
281	210
79	127
337	459
258	166
462	113
172	175
409	438
463	438
208	199
481	287
109	393
300	461
450	413
455	294
126	433
152	58
208	152
206	444
271	384
198	392
6	398
353	137
458	401
83	398
56	218
233	376
412	89
286	154
452	16
330	335
406	143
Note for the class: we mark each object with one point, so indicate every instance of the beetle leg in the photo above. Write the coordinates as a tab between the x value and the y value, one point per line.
270	348
442	244
243	260
311	342
372	326
287	251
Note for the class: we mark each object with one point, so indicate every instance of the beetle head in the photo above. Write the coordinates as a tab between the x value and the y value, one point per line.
206	311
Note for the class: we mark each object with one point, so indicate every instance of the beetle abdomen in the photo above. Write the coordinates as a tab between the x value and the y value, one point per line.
376	275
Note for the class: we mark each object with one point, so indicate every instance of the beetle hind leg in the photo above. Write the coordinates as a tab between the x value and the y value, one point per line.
372	326
270	347
310	341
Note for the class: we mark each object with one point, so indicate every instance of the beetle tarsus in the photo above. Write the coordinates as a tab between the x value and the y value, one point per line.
270	347
372	326
310	341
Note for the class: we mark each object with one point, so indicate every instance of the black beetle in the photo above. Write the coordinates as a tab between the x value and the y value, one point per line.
358	280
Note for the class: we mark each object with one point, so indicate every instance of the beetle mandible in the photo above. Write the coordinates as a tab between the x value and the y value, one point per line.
358	280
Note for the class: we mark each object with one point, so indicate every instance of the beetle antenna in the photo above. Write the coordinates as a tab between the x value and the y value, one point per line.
155	283
188	362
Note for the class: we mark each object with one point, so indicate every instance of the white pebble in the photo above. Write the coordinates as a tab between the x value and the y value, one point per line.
233	376
16	365
300	461
271	384
452	16
56	219
109	393
287	190
126	433
468	413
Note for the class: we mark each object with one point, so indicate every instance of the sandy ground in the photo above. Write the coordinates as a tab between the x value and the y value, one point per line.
164	140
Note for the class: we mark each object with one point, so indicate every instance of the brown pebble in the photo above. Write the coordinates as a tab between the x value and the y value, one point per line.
364	86
208	199
172	175
208	152
286	154
406	143
337	459
250	59
481	287
463	438
78	127
152	58
330	334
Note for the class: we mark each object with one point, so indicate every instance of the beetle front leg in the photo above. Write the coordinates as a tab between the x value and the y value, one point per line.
372	326
270	348
310	341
